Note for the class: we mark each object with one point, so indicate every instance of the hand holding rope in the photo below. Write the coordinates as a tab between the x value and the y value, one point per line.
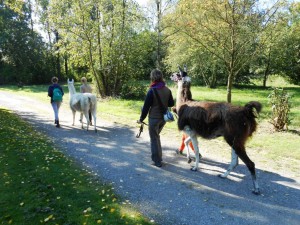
141	128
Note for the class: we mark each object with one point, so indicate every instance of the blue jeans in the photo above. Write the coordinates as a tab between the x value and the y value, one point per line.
56	106
155	127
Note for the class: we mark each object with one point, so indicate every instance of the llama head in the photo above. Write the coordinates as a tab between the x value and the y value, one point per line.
181	75
183	72
70	81
71	87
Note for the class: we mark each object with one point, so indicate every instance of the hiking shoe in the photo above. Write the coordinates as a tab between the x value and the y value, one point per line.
178	152
157	164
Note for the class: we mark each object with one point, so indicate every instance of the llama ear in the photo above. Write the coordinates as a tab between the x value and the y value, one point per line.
185	68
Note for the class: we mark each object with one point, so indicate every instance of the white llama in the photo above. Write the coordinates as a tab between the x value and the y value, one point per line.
82	102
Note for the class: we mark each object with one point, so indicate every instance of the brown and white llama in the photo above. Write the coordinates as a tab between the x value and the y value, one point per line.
210	120
82	102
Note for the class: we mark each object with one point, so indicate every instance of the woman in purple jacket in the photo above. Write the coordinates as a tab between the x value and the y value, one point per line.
153	108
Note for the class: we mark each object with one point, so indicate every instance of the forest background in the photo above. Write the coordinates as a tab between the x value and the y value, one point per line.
115	43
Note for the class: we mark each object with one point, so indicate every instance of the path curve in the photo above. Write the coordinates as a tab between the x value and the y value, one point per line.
171	195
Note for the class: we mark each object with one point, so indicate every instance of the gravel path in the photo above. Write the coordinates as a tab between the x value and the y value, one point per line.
171	195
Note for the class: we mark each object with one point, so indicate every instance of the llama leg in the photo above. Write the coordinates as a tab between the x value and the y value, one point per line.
81	116
95	124
81	120
193	137
233	164
195	144
251	166
86	114
190	133
94	115
95	118
186	143
74	112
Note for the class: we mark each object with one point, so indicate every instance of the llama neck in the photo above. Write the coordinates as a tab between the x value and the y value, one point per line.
72	90
183	93
179	98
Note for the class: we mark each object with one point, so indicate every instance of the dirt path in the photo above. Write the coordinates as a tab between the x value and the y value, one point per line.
171	194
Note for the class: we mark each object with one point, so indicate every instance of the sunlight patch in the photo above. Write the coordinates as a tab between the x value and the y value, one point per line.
289	184
251	217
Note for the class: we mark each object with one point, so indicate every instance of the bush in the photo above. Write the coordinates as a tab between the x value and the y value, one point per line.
133	90
279	100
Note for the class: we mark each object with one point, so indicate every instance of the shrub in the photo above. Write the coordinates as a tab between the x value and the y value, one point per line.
279	99
133	90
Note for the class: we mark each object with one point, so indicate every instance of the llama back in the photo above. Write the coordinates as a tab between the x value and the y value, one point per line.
190	115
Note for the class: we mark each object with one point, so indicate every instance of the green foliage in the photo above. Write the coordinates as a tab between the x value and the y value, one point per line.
279	100
105	38
133	90
224	38
39	184
23	55
112	41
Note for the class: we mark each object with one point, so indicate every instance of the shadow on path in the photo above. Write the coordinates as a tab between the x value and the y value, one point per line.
172	194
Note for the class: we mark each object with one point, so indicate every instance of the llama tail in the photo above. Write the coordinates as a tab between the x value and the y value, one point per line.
254	105
251	114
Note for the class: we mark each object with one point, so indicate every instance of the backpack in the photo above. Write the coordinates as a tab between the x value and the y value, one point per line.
57	95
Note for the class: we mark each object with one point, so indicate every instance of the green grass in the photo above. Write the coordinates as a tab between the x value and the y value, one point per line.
39	185
273	145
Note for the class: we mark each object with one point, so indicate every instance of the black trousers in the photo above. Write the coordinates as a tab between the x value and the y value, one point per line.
155	127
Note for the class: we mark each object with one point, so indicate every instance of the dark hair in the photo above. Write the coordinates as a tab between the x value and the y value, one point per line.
156	75
54	80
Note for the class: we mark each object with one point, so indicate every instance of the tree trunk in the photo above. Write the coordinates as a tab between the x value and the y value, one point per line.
266	72
66	66
100	84
158	11
229	86
58	70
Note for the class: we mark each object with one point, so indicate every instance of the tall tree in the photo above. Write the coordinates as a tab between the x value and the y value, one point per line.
290	46
98	35
229	30
157	9
22	50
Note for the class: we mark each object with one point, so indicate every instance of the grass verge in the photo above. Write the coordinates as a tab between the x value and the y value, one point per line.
39	185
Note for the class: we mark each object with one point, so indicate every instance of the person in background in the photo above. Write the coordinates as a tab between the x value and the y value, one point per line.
152	107
55	92
86	88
